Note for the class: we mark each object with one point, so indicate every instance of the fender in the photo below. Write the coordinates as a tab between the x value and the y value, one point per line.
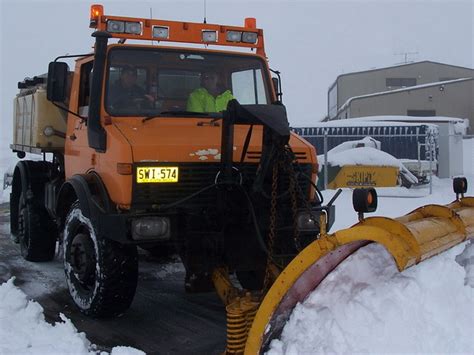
95	204
32	175
91	193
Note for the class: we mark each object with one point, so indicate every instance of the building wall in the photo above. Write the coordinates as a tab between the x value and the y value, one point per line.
368	82
454	100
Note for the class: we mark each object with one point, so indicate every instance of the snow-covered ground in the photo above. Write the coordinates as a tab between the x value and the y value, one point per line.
365	305
23	329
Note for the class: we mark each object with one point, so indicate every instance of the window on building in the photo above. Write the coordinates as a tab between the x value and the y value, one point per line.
400	82
421	113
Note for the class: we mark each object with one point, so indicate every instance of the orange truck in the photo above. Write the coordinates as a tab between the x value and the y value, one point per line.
126	162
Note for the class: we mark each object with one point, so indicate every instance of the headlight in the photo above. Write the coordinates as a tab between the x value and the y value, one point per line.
307	222
151	228
249	37
234	36
134	28
209	36
115	26
160	32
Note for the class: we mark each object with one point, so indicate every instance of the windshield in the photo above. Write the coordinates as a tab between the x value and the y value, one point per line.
147	82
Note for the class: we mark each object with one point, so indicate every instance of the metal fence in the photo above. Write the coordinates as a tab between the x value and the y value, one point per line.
400	141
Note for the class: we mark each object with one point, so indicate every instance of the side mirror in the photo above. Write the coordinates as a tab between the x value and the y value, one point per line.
276	86
57	81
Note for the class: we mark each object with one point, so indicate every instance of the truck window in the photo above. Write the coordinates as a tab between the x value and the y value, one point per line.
85	88
177	84
248	87
165	79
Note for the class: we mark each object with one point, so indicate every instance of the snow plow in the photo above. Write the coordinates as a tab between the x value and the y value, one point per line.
410	239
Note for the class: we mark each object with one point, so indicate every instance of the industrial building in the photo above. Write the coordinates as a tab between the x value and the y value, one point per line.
414	89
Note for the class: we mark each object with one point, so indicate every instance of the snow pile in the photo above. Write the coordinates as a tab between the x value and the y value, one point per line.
364	142
367	306
466	259
364	152
362	156
24	330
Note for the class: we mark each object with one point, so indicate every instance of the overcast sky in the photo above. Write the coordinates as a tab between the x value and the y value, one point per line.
310	42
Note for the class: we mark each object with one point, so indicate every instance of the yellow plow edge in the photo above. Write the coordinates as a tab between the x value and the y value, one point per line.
410	239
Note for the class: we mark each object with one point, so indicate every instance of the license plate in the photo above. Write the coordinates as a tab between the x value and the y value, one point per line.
157	174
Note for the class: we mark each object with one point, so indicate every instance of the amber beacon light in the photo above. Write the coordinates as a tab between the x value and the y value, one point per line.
96	12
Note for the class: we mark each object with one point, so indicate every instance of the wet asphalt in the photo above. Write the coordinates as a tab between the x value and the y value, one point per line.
163	319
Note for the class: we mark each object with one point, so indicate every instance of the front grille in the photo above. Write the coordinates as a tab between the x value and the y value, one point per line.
194	177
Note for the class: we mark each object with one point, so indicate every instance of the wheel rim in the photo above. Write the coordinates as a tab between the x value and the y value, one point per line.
82	259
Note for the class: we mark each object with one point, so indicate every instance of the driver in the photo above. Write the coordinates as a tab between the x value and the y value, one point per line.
125	93
209	97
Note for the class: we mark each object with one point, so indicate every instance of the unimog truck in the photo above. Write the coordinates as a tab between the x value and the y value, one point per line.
149	173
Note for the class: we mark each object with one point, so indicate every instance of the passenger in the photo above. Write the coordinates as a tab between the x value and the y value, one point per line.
126	93
210	97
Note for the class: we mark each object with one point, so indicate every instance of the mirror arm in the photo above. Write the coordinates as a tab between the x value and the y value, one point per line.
73	56
279	92
69	111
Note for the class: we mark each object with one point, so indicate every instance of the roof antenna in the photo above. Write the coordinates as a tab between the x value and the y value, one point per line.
151	18
205	21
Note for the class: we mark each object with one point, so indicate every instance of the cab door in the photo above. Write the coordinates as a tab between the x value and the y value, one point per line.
79	158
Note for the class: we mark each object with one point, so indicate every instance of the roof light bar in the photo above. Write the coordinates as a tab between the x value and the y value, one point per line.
248	36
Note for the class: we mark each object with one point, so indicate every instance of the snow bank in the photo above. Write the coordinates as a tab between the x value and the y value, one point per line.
367	306
366	155
363	156
23	329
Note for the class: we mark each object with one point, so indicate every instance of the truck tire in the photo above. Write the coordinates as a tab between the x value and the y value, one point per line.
37	232
101	274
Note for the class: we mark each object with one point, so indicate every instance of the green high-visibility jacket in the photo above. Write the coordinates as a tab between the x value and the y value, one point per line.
201	100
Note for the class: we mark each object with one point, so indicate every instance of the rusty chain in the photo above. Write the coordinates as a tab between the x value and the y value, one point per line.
285	162
294	204
271	233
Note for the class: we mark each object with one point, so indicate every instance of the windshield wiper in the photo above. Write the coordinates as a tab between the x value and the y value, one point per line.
215	115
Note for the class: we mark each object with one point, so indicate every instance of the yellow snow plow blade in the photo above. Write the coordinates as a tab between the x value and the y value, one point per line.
425	232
